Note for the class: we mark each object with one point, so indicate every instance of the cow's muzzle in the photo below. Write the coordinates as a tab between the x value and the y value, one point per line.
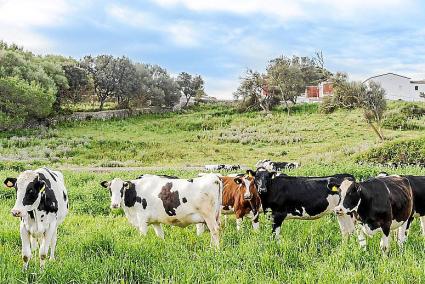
115	206
247	196
16	213
339	210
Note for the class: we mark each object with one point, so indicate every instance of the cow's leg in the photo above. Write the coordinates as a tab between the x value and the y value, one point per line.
26	245
385	240
158	230
346	225
53	244
214	230
200	229
143	228
278	218
46	241
34	244
238	223
255	219
423	225
361	237
402	232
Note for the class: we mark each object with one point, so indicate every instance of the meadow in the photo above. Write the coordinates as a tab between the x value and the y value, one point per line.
98	245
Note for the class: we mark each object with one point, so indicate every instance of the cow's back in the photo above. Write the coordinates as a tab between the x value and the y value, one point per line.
178	201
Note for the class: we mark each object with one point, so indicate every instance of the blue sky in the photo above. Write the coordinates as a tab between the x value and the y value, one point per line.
220	39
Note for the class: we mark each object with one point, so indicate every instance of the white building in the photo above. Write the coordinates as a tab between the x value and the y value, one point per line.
399	87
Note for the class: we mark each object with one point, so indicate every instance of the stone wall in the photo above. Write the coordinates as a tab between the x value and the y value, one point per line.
109	114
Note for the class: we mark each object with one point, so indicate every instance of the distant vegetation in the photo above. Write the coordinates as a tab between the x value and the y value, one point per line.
33	87
284	81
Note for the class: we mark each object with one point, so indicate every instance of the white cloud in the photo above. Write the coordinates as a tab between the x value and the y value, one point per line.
221	88
181	33
20	19
292	9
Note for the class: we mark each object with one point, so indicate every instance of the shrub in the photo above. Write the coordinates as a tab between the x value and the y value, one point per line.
410	151
399	121
21	102
412	111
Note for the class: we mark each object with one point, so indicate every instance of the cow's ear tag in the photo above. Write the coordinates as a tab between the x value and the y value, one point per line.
250	175
334	189
43	188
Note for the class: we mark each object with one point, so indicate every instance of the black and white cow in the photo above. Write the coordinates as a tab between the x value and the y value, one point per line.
380	205
276	166
305	198
42	205
418	188
217	167
159	200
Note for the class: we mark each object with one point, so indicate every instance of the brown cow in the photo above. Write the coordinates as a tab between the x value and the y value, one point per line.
240	196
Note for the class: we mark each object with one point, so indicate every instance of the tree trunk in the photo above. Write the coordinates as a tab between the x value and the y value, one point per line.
102	101
380	135
287	107
187	101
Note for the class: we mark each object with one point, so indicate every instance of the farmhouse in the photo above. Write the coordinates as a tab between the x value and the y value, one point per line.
398	87
316	93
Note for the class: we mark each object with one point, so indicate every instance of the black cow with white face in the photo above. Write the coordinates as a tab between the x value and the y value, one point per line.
380	205
42	205
418	188
305	198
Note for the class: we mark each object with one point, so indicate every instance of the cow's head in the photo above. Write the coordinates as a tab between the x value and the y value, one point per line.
247	185
350	197
116	190
263	178
29	187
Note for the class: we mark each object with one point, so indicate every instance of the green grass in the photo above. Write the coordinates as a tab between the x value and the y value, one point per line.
97	245
205	135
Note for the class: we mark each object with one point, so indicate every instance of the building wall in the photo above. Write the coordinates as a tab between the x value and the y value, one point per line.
399	88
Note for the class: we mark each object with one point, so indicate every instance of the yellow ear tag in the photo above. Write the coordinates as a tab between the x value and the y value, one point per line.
334	189
250	175
43	188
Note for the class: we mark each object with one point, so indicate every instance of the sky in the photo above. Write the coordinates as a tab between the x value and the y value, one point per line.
220	39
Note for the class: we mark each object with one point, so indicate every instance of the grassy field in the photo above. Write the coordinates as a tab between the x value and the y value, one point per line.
99	245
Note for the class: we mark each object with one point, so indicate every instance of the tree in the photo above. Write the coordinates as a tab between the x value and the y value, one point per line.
78	84
254	93
128	83
368	97
189	85
102	69
372	101
285	78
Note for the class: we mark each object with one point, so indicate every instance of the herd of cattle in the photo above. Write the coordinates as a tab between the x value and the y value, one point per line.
378	204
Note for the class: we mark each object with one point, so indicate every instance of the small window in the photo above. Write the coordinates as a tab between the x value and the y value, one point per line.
416	88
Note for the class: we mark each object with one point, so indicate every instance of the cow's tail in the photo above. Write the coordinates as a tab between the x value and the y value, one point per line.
220	199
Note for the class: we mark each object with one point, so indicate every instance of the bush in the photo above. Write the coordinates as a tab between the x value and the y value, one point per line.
399	121
401	152
21	102
412	111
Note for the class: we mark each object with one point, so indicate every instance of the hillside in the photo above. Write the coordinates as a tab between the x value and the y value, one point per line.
202	135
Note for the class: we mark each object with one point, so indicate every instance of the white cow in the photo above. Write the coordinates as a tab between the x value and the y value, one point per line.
42	205
159	200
